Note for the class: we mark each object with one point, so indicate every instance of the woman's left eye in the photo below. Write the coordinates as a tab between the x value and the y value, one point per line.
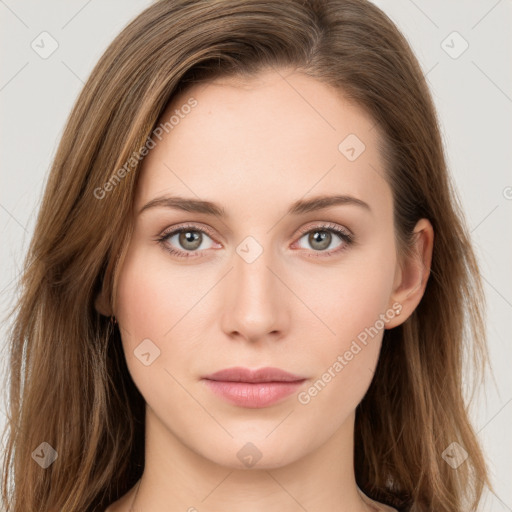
191	238
321	237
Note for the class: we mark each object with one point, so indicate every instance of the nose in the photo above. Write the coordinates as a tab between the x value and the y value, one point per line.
256	302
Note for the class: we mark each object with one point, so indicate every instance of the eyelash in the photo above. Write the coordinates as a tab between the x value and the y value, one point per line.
346	237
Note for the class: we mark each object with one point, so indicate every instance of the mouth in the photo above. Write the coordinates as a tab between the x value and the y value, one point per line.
253	388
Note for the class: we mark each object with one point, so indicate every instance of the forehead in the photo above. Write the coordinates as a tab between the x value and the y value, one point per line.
277	134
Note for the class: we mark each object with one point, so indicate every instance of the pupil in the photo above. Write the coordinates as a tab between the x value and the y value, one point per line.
321	237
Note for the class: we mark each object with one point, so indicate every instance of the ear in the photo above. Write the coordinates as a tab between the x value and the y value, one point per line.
102	304
412	274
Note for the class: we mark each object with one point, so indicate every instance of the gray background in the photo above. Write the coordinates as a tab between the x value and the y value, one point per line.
472	92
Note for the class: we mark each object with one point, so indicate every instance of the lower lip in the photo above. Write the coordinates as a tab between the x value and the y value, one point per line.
253	394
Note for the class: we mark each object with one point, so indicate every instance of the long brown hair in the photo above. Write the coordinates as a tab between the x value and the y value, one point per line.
68	380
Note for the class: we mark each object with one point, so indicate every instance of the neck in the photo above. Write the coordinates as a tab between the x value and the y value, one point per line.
176	478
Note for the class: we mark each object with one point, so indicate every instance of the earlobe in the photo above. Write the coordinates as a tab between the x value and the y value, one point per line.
413	273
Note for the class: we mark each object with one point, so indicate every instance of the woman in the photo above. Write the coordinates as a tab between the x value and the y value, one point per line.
179	347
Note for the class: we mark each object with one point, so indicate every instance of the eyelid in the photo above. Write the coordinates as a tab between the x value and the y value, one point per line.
319	225
192	226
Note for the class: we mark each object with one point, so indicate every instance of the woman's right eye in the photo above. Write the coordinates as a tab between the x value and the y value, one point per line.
184	241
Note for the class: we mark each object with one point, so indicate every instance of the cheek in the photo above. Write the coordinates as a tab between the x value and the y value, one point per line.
140	297
148	306
159	303
153	296
351	305
350	299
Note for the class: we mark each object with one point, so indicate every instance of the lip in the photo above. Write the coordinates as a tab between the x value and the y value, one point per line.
253	388
240	374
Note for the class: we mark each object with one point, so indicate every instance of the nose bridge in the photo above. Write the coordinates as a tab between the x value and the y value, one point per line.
252	307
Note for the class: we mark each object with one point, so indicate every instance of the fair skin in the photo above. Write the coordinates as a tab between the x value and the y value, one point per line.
255	149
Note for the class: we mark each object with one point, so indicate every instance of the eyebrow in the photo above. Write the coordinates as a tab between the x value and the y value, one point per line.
300	207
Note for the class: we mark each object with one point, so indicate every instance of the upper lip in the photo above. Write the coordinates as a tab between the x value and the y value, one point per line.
267	374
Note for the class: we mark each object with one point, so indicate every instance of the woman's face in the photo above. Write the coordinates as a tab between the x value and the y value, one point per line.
260	285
